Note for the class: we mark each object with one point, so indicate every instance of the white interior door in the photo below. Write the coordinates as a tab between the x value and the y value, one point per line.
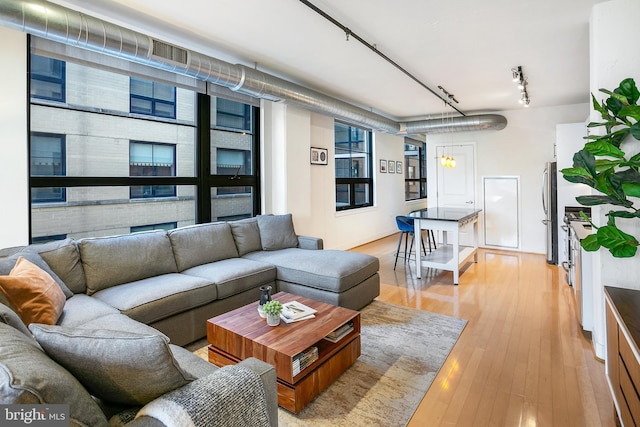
501	211
457	186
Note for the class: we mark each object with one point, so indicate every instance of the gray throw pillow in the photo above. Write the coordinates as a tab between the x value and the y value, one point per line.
11	318
116	366
276	232
29	376
7	264
246	234
64	260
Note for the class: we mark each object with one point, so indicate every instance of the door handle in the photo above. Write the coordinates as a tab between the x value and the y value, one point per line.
470	202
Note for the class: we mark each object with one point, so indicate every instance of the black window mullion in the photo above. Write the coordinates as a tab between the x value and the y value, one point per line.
203	161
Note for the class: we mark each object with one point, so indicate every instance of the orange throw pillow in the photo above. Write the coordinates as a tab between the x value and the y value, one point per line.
33	293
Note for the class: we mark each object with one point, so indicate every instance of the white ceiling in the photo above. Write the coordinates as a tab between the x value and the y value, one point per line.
466	46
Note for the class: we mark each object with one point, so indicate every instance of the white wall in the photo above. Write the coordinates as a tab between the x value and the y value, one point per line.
310	189
521	149
14	187
611	62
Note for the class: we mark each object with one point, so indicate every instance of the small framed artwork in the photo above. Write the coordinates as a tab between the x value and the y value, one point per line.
399	167
392	166
319	156
383	166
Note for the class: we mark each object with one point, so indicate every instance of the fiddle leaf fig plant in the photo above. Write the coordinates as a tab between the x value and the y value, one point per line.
604	166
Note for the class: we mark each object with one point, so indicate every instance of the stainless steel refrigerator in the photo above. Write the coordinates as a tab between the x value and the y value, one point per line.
550	207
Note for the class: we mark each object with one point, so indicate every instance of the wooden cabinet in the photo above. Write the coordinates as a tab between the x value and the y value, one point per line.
623	356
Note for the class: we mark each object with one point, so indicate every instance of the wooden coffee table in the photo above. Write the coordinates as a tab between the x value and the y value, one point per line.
242	333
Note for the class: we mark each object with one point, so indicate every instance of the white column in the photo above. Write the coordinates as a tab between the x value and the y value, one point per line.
613	30
14	191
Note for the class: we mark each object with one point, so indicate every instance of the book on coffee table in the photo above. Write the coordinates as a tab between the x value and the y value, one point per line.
295	310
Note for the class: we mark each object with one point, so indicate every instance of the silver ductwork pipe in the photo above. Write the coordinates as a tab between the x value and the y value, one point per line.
456	124
71	27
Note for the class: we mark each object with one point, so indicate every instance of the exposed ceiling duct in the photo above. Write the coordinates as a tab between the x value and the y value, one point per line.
74	28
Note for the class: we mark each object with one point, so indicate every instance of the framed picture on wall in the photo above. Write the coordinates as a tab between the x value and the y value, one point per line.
399	167
319	156
392	166
383	166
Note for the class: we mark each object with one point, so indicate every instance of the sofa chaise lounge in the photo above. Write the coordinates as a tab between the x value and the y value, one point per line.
163	286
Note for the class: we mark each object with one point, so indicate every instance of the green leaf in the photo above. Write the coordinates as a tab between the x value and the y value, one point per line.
632	111
606	165
623	214
590	243
586	160
631	189
596	200
629	90
635	130
598	107
602	148
578	176
619	243
624	251
615	97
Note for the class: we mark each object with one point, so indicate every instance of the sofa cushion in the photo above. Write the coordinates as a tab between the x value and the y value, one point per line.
246	234
81	308
156	298
33	293
29	376
111	261
64	259
7	264
201	244
276	232
117	366
234	276
11	318
331	270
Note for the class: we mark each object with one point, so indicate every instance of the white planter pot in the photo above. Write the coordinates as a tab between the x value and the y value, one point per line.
273	320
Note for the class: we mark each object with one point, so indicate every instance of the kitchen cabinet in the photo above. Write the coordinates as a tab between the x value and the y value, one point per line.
622	319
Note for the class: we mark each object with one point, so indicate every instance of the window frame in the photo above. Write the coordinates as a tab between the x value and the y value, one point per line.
154	188
152	99
422	180
63	154
202	180
49	79
353	182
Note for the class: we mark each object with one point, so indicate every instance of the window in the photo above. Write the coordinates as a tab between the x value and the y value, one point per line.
112	170
149	159
233	115
234	178
47	78
415	179
164	226
353	162
152	98
234	163
47	159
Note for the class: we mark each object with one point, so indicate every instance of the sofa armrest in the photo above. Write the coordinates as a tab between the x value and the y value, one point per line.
306	242
264	371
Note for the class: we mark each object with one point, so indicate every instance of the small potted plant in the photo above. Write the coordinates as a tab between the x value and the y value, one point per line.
272	309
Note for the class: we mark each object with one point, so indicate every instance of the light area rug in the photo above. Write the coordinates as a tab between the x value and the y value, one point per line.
402	352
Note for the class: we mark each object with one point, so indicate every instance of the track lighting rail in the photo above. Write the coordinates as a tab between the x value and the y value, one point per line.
374	49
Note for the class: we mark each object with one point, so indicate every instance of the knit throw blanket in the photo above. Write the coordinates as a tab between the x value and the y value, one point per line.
233	396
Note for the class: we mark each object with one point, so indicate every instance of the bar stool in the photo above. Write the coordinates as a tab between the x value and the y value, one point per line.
405	225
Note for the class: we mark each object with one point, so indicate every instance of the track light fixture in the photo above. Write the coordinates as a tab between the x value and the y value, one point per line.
516	73
519	78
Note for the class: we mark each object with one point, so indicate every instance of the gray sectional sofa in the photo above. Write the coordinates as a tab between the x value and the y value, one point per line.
164	285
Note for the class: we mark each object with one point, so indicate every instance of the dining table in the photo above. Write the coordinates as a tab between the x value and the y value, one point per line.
450	255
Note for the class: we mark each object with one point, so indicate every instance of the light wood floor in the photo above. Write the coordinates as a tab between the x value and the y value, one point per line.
522	359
